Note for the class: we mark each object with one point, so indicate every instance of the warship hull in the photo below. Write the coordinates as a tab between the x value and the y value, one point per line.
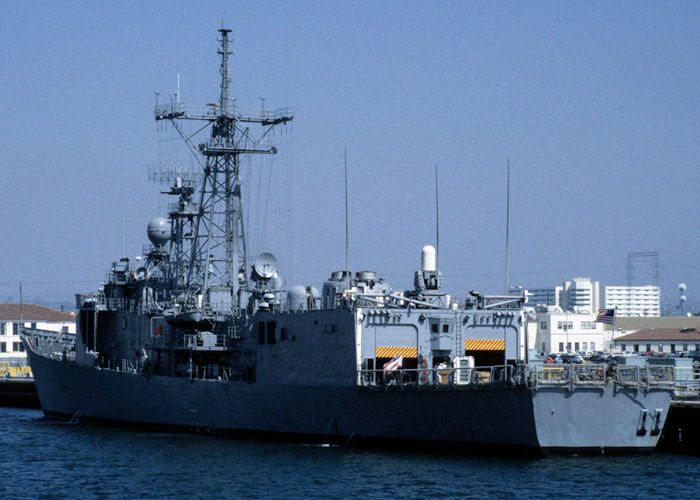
495	419
201	337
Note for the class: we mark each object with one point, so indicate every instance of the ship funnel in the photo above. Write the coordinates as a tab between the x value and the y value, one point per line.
427	258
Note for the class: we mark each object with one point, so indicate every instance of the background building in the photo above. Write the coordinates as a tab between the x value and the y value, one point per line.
568	332
634	300
578	295
581	295
667	340
543	296
30	316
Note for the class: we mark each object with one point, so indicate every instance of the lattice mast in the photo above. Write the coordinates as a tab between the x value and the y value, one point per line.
217	247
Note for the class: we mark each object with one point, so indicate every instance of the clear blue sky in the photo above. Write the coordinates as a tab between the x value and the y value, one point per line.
597	105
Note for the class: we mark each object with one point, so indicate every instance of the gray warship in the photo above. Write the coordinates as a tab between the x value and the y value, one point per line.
199	337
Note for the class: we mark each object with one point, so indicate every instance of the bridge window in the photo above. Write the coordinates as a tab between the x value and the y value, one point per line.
271	330
266	332
261	333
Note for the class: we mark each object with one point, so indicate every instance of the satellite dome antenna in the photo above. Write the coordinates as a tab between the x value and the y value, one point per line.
682	299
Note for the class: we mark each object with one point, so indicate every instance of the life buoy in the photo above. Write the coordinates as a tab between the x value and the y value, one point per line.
424	371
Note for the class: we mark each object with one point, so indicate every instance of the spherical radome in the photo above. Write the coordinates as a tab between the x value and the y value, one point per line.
159	231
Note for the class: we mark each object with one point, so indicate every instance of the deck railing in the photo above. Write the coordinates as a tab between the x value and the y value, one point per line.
440	377
682	381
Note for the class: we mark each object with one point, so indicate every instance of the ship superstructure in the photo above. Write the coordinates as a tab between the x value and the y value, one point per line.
200	336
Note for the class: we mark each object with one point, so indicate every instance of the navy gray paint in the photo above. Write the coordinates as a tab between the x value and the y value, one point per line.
196	338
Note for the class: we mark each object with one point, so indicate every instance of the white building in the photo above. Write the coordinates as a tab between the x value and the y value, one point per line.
666	340
30	316
569	332
634	300
579	295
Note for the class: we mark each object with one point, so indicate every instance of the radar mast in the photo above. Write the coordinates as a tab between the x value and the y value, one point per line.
212	247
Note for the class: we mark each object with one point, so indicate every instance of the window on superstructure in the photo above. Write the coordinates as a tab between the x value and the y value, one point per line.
446	328
271	330
261	333
434	327
636	348
673	347
561	346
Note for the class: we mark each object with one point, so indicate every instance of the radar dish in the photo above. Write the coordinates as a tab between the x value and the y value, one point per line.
265	265
141	274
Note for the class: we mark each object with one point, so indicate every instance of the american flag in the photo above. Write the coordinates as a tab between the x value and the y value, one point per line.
394	364
606	316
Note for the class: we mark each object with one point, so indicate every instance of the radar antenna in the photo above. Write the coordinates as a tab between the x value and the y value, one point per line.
214	234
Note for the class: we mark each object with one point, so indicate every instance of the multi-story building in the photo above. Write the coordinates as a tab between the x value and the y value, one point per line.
634	300
581	295
15	316
578	295
561	331
543	296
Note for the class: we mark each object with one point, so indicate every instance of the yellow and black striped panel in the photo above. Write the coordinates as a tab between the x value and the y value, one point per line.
390	352
484	345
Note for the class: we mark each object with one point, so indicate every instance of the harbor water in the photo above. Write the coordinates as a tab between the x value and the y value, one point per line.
44	458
